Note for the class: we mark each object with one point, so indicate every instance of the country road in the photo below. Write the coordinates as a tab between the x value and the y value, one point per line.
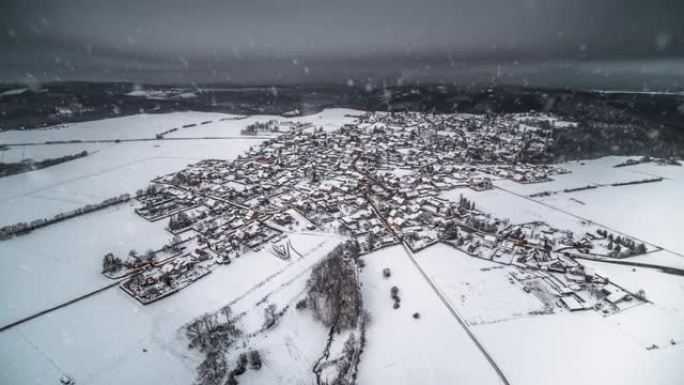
61	305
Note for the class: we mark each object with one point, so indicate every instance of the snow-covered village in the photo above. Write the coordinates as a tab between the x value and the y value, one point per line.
358	192
340	247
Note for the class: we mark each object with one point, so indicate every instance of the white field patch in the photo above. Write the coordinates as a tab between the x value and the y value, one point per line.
126	127
289	351
21	363
111	339
54	264
543	117
660	258
329	120
652	212
433	349
669	172
41	152
27	208
649	212
16	91
501	204
660	323
666	291
479	289
163	94
630	347
582	173
576	348
121	168
399	172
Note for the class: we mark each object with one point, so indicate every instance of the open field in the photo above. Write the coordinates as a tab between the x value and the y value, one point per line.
66	258
404	350
460	318
144	344
651	211
531	348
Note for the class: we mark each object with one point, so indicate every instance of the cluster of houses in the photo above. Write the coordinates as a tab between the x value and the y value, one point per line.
274	126
158	280
542	259
378	181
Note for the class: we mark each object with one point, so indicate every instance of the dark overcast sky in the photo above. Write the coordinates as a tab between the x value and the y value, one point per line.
631	43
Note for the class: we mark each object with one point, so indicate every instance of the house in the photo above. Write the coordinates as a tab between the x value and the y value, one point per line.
506	246
489	240
571	303
615	295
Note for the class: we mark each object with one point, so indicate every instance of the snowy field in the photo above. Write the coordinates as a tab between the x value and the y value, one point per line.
582	173
120	168
576	348
126	127
532	349
502	204
661	258
402	350
41	152
329	120
607	350
66	258
479	289
652	212
111	339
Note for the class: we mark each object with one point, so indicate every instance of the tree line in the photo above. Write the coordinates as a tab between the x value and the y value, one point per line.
7	169
21	228
334	293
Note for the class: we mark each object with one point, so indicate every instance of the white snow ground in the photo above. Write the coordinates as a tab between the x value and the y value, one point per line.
120	168
567	348
402	350
100	340
652	212
41	152
126	127
576	348
479	289
66	258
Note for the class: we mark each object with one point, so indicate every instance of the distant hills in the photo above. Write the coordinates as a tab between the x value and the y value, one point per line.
609	122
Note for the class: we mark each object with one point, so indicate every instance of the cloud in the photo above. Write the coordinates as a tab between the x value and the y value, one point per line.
216	40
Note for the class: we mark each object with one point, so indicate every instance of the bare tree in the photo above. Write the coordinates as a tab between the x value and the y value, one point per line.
199	331
270	316
110	263
255	360
334	294
213	369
